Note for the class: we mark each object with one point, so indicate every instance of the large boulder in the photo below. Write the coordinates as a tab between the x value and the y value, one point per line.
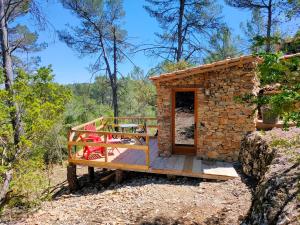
255	155
277	171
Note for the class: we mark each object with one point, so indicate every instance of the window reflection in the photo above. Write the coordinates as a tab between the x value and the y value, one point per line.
184	118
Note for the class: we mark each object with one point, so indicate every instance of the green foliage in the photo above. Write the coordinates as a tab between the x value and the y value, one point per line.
292	45
222	45
28	183
84	108
253	28
274	70
136	97
42	103
260	40
285	75
294	9
168	66
289	145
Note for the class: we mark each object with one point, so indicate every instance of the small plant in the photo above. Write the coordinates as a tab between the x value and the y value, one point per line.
289	146
275	69
269	116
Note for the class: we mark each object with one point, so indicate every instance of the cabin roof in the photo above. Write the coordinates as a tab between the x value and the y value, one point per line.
206	67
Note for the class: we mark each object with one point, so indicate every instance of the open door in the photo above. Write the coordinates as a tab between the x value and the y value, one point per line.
184	117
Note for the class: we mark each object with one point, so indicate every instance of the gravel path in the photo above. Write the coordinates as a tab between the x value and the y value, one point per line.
147	199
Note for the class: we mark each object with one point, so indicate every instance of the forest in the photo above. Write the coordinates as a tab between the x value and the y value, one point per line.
36	112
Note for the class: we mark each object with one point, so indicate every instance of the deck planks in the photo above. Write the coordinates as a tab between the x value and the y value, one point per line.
197	166
176	164
188	164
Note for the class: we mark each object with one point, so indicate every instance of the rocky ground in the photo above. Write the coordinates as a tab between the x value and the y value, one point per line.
153	199
272	159
143	199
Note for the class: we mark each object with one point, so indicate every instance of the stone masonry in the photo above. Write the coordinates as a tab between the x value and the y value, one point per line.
222	122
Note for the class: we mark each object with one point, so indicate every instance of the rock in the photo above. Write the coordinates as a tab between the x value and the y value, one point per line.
277	174
255	155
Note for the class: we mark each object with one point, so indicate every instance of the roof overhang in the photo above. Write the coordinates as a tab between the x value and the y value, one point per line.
206	67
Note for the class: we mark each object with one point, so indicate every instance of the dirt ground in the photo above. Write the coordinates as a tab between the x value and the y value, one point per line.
184	120
141	199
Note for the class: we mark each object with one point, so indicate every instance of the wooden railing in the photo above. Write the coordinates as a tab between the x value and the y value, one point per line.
147	122
104	128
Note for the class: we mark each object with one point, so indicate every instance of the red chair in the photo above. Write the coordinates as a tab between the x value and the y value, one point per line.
92	152
94	136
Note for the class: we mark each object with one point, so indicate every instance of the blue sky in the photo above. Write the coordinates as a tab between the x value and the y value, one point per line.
70	68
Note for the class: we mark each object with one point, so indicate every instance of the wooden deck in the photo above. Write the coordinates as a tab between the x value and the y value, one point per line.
135	160
137	155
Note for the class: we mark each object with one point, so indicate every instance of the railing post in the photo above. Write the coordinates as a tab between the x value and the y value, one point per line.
70	151
147	152
70	138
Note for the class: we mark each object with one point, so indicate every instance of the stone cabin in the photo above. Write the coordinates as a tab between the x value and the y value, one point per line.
197	112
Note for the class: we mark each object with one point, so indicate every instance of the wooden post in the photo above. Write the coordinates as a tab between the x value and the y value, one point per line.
72	178
119	176
91	173
70	138
147	152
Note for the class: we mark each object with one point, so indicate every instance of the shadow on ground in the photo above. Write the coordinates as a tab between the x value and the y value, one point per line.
132	179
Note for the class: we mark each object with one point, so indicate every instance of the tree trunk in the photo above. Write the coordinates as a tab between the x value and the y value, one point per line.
5	187
8	73
115	101
115	84
15	115
179	31
112	75
269	26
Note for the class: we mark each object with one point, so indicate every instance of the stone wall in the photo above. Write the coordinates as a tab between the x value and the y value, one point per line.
222	122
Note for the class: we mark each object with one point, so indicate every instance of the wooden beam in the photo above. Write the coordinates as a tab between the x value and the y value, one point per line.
152	126
119	176
190	174
108	178
82	125
101	144
100	127
109	165
91	173
72	178
132	117
147	152
113	133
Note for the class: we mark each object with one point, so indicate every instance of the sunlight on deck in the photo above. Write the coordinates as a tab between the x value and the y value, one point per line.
174	165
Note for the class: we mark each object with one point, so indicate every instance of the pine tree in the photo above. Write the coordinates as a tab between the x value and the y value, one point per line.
185	24
99	34
222	46
271	11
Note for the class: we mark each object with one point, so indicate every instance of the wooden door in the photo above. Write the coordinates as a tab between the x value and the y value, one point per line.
184	121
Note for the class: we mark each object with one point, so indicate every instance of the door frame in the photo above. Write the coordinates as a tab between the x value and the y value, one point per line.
184	149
